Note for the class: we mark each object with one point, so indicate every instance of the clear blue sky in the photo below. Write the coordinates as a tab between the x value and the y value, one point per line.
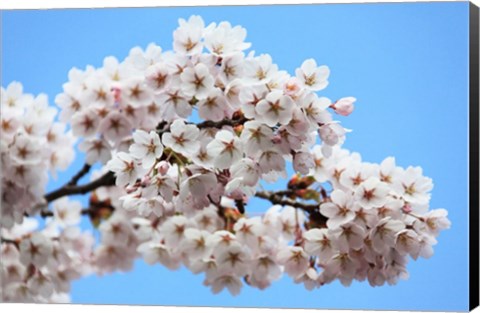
407	64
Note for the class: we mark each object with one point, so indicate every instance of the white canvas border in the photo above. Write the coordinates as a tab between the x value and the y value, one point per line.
46	4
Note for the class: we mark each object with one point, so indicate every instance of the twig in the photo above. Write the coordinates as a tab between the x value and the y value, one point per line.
108	179
221	123
83	171
162	128
240	206
277	199
50	213
10	241
86	211
220	208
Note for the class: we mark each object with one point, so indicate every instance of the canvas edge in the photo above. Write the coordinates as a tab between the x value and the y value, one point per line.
474	156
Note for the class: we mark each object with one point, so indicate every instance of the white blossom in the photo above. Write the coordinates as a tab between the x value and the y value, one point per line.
313	77
67	213
35	250
146	147
197	82
275	108
295	261
226	149
187	37
126	169
182	138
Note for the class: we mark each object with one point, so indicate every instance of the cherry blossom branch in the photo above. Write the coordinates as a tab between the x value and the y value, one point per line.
83	171
108	179
240	206
221	123
220	208
162	127
275	198
85	211
9	241
311	209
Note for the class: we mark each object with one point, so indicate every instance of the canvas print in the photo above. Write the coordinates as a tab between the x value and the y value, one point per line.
282	156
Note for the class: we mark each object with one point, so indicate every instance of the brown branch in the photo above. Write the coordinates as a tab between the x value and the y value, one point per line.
108	179
240	206
275	198
83	171
9	241
316	218
221	123
220	208
162	128
83	212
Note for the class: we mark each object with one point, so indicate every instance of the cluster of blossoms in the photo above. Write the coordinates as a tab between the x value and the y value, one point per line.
187	137
104	105
32	145
253	118
38	265
374	217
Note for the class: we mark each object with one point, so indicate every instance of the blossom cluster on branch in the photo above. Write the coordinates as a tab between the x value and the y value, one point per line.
187	138
32	145
38	265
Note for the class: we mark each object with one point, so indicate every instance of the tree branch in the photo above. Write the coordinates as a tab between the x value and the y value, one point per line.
220	208
108	179
83	171
9	241
50	213
275	198
316	218
221	123
163	128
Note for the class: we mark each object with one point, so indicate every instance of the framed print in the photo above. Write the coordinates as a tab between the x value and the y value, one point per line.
299	156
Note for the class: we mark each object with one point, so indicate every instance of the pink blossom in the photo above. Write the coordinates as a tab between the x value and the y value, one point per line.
344	106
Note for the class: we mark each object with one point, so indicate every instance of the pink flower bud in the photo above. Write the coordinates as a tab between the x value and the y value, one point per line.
277	139
130	189
407	208
162	167
116	93
146	180
344	106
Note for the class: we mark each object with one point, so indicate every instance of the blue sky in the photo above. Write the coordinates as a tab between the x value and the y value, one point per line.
407	64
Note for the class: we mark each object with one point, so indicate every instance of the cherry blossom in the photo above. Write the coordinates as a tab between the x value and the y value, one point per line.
187	37
67	213
311	76
344	106
340	210
275	108
97	149
225	149
183	141
14	98
225	39
147	147
232	283
295	261
197	82
182	138
125	167
319	243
